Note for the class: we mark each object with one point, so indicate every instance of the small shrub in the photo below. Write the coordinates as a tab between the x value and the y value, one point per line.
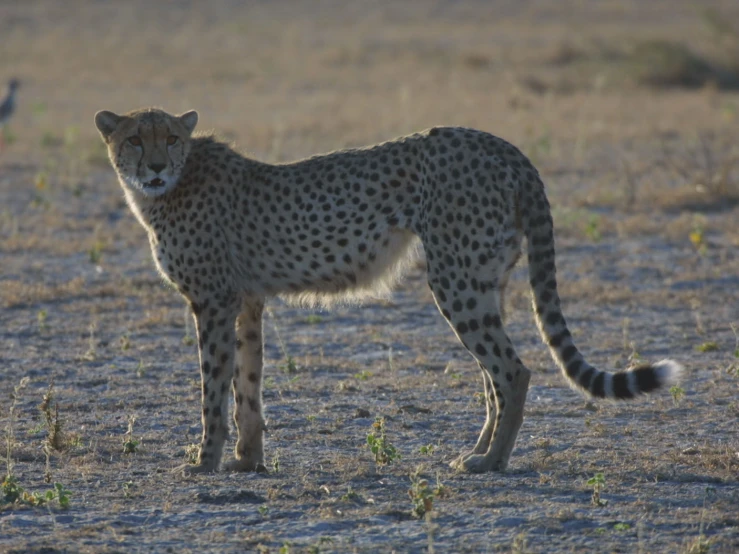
54	435
422	494
130	444
664	64
598	482
709	346
384	452
677	394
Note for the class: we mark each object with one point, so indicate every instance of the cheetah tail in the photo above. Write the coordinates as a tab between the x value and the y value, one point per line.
621	385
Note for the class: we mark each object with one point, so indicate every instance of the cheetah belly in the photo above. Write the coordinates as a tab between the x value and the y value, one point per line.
351	274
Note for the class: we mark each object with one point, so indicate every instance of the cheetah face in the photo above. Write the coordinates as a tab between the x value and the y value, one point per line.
147	148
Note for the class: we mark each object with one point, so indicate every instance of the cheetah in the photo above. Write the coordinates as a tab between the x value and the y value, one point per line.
229	232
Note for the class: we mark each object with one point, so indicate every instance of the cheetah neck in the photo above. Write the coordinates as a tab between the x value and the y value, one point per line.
140	204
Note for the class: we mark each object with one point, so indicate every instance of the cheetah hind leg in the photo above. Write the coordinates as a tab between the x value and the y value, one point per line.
486	434
488	429
508	422
506	382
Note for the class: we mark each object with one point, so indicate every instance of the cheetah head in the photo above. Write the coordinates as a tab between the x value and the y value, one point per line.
148	148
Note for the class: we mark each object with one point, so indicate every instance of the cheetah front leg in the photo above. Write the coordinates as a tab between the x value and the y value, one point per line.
214	322
247	389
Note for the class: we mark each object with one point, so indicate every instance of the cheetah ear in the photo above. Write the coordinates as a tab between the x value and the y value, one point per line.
107	122
189	120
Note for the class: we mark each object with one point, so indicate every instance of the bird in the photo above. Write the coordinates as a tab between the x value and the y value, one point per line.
7	107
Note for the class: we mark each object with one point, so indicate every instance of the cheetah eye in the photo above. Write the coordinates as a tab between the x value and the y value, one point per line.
171	139
134	141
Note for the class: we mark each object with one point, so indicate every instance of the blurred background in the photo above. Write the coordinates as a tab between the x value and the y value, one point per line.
289	78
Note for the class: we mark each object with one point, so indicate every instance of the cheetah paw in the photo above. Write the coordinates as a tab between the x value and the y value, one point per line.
193	469
476	463
244	465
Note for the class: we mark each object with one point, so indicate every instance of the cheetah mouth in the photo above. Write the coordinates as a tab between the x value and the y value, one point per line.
154	183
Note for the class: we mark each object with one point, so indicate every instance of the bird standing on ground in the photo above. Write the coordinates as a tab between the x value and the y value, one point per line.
7	107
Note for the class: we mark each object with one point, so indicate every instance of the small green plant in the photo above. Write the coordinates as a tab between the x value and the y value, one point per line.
125	341
350	496
313	319
91	353
41	185
41	318
592	228
697	235
191	453
677	394
141	369
621	527
128	488
263	510
422	494
13	493
290	366
316	548
735	330
709	346
598	482
95	253
130	443
427	449
384	452
362	375
54	435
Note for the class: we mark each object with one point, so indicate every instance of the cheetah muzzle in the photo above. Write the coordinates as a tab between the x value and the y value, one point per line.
230	232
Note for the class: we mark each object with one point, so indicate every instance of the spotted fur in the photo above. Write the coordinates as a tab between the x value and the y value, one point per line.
230	232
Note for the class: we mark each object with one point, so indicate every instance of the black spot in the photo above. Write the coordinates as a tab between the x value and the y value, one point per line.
556	340
492	321
573	368
621	385
586	377
553	318
646	378
597	389
568	353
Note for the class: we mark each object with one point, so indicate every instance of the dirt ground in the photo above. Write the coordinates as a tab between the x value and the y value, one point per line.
630	110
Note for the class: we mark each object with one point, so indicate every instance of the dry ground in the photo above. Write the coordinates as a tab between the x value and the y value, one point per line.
642	164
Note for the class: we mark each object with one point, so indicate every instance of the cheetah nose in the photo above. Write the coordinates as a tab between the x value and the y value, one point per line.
157	168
